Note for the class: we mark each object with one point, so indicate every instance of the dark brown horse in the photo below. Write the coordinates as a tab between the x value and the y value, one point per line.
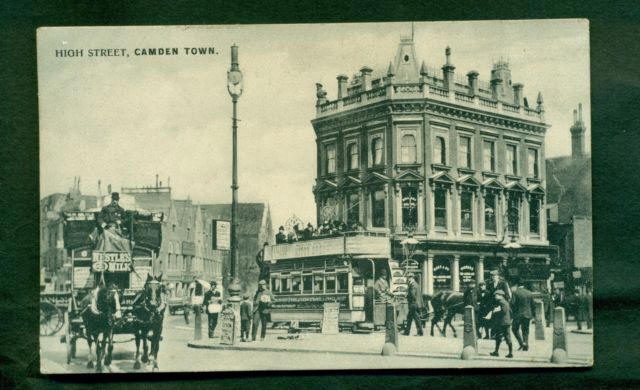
148	309
99	311
446	304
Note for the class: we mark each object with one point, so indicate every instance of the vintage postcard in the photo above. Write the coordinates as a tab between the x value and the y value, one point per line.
320	196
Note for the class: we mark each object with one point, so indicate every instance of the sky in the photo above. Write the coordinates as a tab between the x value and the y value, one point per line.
122	120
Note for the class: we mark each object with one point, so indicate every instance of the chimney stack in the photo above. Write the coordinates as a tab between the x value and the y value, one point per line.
473	82
366	78
518	96
448	71
577	134
342	86
496	88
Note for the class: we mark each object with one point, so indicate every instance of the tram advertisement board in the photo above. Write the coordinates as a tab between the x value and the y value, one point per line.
310	301
82	277
111	261
136	282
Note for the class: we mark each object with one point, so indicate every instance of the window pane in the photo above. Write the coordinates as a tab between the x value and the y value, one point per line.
464	152
490	212
286	285
409	207
533	162
353	209
440	151
534	215
331	159
275	284
318	284
331	284
353	156
307	284
513	213
343	282
378	208
377	151
488	154
512	160
408	149
440	203
296	282
466	211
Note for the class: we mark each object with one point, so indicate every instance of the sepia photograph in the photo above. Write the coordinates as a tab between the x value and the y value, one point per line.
315	196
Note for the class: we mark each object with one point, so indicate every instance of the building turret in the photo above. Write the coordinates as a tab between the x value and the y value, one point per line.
540	102
448	70
578	131
501	71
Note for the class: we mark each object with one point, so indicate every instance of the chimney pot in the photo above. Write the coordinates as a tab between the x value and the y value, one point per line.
518	97
366	78
342	86
473	82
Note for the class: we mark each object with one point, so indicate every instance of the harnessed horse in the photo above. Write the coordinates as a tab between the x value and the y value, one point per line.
148	308
446	304
99	310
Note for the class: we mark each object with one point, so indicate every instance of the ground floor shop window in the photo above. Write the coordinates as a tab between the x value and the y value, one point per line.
441	274
467	273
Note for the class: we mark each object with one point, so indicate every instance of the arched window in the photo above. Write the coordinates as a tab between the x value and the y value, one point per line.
352	152
377	151
440	151
408	149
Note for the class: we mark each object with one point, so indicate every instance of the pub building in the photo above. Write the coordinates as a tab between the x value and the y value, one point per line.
455	162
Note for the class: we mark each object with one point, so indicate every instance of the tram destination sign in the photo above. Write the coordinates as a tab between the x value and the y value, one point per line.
111	261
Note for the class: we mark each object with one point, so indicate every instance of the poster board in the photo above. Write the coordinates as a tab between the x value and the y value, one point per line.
227	326
330	318
82	277
221	234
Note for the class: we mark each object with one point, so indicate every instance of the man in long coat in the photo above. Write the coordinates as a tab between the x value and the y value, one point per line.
414	301
523	308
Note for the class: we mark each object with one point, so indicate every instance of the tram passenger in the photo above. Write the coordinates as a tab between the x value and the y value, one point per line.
281	238
381	286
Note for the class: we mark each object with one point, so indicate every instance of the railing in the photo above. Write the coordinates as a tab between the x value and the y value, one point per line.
464	98
488	103
351	100
510	107
438	91
531	112
353	243
329	106
407	88
376	93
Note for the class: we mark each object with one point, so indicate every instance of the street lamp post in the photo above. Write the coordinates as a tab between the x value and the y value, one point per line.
234	86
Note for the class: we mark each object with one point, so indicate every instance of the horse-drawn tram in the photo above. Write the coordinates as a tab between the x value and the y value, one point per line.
109	269
307	274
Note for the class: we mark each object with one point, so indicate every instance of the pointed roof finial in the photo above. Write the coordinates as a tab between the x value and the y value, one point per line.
539	100
390	69
423	69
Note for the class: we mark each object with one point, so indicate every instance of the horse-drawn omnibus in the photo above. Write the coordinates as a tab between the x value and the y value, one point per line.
127	270
306	274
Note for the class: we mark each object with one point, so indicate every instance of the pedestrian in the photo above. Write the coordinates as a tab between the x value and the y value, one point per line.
497	283
484	310
262	302
213	305
414	301
502	322
245	317
523	309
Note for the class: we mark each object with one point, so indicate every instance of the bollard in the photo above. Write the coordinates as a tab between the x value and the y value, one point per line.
539	316
391	330
560	352
197	322
470	337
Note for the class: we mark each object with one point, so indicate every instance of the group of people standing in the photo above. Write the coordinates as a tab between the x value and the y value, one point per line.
502	310
327	229
253	314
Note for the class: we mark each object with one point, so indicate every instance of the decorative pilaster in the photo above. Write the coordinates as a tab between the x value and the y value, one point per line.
429	274
480	269
455	273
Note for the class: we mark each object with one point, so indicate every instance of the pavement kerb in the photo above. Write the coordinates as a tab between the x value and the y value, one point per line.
193	344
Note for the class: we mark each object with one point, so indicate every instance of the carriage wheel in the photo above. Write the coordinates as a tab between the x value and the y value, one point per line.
67	333
50	319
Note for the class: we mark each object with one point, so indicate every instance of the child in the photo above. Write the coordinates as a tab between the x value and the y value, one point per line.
245	316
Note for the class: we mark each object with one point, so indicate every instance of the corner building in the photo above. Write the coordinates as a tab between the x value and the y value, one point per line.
416	150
